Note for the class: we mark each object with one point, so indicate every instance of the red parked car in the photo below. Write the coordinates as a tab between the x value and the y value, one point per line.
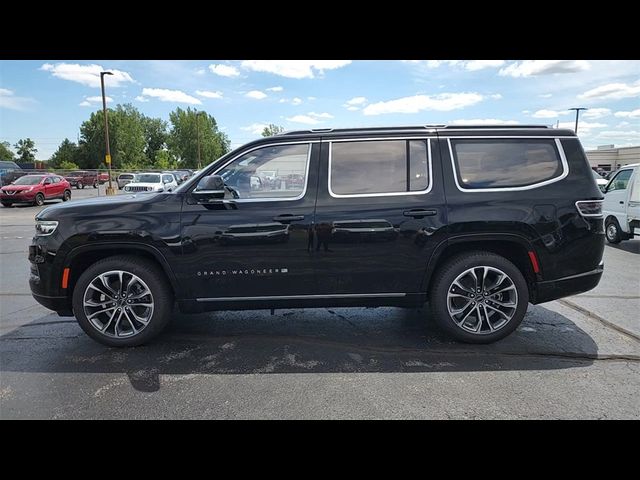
35	189
82	178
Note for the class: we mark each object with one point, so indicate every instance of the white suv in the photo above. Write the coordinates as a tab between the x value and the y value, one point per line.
152	182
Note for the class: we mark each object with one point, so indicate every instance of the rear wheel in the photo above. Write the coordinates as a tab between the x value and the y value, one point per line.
66	196
39	200
81	185
95	185
122	301
479	297
7	204
612	231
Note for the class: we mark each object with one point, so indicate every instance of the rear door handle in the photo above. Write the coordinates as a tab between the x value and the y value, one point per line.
287	217
420	213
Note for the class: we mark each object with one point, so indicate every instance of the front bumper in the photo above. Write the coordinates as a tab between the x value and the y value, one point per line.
44	281
567	286
18	197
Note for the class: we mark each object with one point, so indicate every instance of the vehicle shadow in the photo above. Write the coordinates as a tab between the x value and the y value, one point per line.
297	341
631	246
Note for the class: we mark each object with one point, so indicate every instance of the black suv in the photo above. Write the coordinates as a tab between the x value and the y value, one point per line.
478	221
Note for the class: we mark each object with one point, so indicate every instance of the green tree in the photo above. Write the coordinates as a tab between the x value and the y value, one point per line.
183	137
271	130
26	149
5	152
67	153
126	136
68	165
155	136
164	160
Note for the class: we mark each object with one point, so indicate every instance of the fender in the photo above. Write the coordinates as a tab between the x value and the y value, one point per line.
471	237
103	245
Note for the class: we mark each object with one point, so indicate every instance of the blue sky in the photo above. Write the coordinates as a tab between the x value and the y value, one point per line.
48	100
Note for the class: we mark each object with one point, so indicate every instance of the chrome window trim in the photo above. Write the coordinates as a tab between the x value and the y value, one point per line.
273	199
296	297
563	161
388	194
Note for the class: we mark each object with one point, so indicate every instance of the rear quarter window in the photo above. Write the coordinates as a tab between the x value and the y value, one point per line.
505	163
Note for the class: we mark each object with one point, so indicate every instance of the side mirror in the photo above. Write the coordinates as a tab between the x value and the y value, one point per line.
209	188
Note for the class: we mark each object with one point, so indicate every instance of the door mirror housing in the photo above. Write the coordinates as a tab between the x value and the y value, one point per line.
209	188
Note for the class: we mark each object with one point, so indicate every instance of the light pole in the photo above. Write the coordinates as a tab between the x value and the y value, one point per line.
110	189
198	135
577	114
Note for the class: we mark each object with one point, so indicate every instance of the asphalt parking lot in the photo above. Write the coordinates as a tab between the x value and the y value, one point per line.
574	358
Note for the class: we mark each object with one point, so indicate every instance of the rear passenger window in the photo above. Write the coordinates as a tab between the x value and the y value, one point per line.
55	179
379	167
504	163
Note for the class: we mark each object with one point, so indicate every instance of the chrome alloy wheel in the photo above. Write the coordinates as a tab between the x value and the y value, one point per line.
482	300
612	232
118	304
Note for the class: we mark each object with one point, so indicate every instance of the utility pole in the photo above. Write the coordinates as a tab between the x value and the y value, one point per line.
198	135
107	157
577	115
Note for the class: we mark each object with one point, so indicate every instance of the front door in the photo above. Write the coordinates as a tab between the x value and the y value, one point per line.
255	245
380	212
616	196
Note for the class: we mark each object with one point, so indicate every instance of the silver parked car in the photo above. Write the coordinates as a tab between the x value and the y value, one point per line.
124	179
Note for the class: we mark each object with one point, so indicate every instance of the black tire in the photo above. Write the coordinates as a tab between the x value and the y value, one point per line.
39	200
95	185
81	185
612	231
7	204
157	283
66	196
443	281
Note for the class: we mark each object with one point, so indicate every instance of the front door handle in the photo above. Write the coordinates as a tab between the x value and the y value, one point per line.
621	203
287	217
418	213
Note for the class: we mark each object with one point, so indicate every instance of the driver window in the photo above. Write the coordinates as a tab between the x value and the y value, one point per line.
47	181
269	172
620	181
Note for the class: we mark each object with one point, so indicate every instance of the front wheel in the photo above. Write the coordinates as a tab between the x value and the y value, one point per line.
66	196
95	185
479	297
612	231
39	200
122	301
81	185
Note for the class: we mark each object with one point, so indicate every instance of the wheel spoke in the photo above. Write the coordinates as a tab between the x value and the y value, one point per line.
499	311
460	310
133	327
106	285
103	292
486	314
100	311
92	303
505	289
459	285
503	304
104	328
138	318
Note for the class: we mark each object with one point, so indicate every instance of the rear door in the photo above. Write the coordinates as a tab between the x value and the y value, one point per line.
380	212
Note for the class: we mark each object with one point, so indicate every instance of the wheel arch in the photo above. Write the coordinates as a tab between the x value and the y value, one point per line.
514	248
85	255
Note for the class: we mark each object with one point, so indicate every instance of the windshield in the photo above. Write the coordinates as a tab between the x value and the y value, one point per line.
28	181
13	165
148	178
596	175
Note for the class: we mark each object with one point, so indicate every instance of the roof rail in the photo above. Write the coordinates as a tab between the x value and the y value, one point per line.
506	127
411	127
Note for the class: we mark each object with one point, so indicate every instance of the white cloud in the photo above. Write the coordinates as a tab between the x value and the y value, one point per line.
275	89
470	65
613	91
294	68
596	113
545	95
165	95
296	101
201	71
283	100
443	102
312	118
311	98
623	124
482	64
528	68
255	128
549	113
355	101
353	109
496	96
224	70
140	98
584	127
632	114
93	101
618	134
9	100
209	93
256	94
484	121
88	75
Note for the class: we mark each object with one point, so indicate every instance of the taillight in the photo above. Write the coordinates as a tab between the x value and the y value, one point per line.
590	208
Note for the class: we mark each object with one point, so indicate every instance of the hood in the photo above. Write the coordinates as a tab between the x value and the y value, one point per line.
109	203
18	188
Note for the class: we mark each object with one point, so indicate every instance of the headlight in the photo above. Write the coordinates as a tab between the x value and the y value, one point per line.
126	189
28	189
45	227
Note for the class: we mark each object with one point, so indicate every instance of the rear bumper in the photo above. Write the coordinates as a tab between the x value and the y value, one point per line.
564	287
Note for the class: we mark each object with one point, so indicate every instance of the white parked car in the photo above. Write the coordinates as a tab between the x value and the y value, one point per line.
621	206
152	182
125	179
600	180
